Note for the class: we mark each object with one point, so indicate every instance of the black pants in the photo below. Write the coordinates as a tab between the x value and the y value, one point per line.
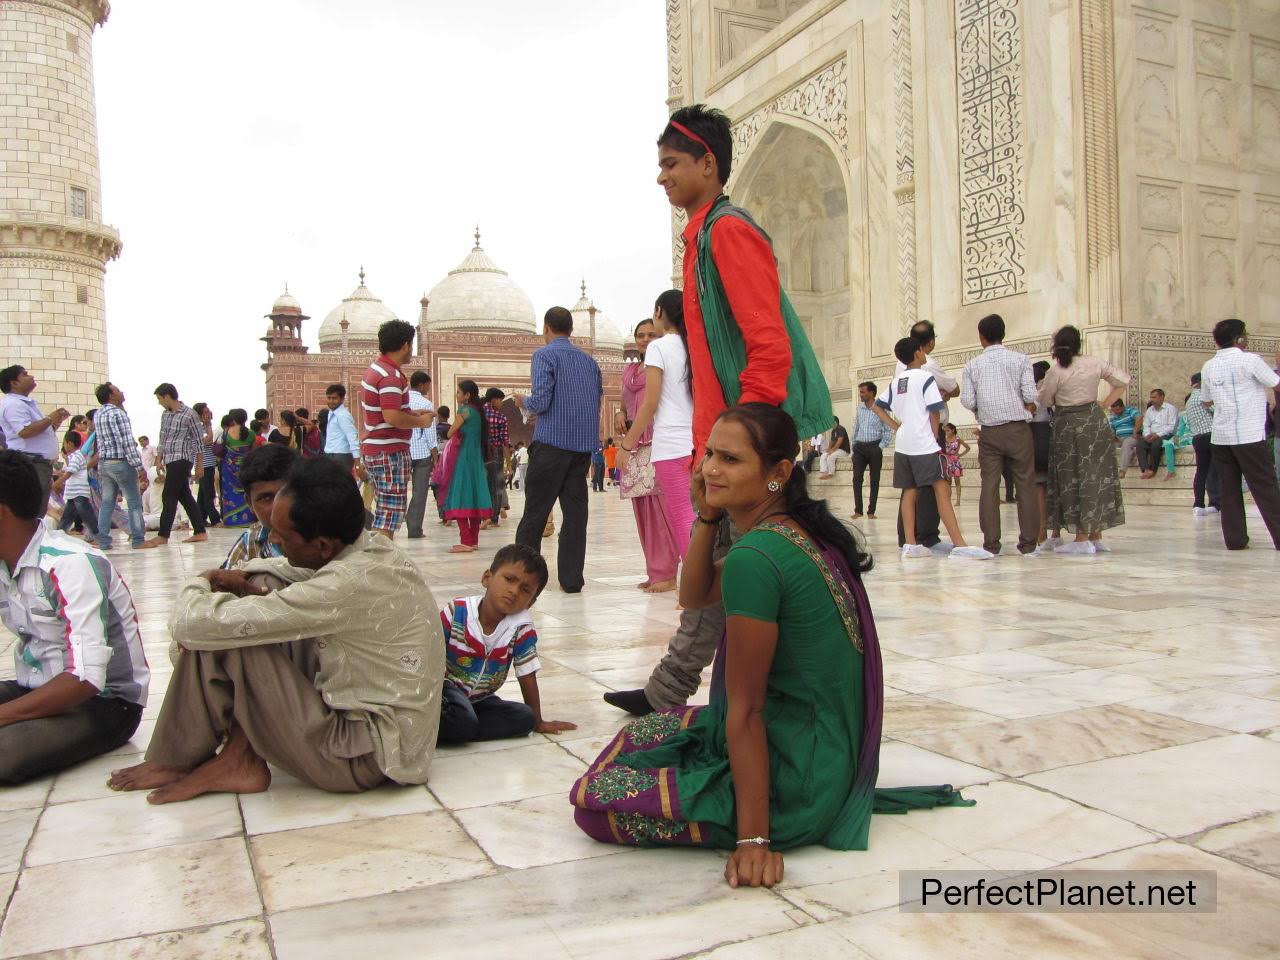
809	457
497	486
420	476
1150	451
557	474
463	720
866	456
1253	462
1006	471
31	748
927	519
204	497
597	477
177	490
1206	475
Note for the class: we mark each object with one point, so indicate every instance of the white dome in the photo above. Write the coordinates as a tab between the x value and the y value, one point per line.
287	304
478	295
607	333
364	314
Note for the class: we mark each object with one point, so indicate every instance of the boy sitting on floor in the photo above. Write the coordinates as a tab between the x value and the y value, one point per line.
484	635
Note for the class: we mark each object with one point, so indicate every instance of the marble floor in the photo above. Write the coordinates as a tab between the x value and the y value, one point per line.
1120	711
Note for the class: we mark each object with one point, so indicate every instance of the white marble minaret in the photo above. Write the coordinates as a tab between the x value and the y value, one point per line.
53	246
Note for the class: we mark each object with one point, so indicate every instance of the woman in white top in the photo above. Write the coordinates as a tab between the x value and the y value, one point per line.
668	405
1084	485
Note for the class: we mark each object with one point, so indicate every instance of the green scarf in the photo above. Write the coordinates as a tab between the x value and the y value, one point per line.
808	400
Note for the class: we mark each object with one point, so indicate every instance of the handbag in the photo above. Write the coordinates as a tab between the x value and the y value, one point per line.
637	478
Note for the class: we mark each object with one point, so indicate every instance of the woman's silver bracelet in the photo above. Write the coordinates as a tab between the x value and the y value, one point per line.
755	841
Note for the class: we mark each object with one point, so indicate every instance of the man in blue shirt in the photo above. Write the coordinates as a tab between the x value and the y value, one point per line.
341	442
1123	420
565	404
26	428
870	437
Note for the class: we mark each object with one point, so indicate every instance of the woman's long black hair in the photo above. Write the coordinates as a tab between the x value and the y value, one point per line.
671	303
1066	345
469	386
774	439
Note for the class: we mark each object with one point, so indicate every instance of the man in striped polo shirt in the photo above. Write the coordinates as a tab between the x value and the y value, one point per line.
81	675
388	423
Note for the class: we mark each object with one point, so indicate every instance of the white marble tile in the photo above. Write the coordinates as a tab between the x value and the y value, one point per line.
16	828
1178	790
922	676
34	793
688	906
410	925
242	940
919	712
1010	699
290	804
88	780
474	780
872	891
302	868
1255	843
804	943
907	765
1016	827
1006	664
125	822
531	833
130	895
1219	708
1018	747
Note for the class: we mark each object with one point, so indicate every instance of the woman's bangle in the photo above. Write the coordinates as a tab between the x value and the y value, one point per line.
709	523
627	449
754	841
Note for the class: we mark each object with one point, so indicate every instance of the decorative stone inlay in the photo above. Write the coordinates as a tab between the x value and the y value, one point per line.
904	150
1101	158
822	99
1269	218
675	53
992	148
1160	341
92	12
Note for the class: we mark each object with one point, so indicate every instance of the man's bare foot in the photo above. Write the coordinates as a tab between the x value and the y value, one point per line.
462	548
1122	473
645	585
237	769
197	538
1147	474
665	586
144	776
153	542
824	476
503	514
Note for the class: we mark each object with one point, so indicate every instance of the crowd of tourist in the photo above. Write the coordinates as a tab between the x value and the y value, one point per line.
317	646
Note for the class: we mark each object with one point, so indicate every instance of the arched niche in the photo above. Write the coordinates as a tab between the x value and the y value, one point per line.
795	187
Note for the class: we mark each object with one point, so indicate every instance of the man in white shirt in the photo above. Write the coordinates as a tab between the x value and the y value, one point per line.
1000	389
423	443
80	673
1237	385
1159	423
25	428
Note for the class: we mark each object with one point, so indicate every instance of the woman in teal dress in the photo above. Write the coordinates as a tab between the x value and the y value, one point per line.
787	751
237	440
467	499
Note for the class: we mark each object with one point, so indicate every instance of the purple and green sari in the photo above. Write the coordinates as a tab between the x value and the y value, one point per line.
665	779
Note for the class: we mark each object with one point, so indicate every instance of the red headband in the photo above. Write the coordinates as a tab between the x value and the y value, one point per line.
693	136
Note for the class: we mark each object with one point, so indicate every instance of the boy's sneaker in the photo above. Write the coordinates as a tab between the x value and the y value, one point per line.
1198	511
1077	548
971	553
1211	510
1100	547
915	551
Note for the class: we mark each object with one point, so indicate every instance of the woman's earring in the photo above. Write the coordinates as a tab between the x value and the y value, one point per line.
774	486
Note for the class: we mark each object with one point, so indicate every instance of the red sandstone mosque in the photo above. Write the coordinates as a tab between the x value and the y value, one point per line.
476	324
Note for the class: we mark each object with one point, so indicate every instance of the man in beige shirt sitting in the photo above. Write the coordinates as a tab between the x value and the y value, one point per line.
335	677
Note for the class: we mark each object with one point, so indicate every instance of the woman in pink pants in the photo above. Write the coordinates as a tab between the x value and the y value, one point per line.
668	406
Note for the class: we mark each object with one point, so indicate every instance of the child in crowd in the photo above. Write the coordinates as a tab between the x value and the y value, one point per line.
611	462
597	469
955	449
913	397
484	636
73	484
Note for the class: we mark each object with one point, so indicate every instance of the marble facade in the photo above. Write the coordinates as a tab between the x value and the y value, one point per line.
1107	163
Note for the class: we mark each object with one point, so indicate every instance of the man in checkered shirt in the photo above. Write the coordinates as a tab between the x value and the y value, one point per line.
1000	388
1237	385
181	450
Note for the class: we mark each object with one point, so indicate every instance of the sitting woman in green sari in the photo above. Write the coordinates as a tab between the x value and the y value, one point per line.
787	751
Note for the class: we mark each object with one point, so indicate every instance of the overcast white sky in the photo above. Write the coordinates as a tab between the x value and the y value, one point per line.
247	144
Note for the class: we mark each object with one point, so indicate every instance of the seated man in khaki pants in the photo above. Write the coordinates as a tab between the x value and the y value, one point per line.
364	709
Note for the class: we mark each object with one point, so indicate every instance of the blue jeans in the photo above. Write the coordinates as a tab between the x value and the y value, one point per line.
117	475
